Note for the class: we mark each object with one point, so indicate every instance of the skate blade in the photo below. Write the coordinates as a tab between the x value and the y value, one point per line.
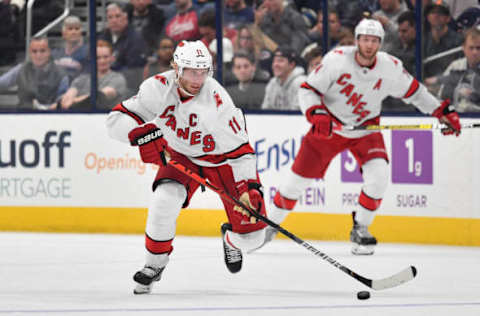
363	250
142	289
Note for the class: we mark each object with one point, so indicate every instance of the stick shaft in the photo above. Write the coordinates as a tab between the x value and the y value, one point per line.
406	126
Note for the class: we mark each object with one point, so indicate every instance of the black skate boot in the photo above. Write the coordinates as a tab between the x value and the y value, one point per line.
233	256
145	278
363	242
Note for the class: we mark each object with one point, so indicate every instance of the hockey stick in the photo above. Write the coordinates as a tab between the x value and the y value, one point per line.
405	127
381	284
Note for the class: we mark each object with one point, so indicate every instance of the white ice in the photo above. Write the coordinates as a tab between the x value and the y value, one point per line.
91	274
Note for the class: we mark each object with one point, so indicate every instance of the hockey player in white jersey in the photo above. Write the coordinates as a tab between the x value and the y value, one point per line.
188	114
347	89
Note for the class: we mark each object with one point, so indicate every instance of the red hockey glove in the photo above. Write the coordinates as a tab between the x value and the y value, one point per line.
322	124
446	114
151	143
251	195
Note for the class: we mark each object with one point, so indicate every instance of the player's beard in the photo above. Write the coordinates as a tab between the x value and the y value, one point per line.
368	56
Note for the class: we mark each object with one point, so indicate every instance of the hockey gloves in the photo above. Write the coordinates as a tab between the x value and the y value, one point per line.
322	124
447	115
250	195
151	143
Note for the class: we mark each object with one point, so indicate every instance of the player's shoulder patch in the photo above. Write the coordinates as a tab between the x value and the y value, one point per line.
218	99
162	79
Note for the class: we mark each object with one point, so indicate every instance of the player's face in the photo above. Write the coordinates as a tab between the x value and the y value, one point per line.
471	48
192	79
368	46
39	52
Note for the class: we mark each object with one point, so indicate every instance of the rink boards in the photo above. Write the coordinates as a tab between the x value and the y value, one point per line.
63	173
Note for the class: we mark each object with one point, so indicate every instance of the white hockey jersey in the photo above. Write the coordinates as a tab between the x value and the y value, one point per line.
207	128
353	94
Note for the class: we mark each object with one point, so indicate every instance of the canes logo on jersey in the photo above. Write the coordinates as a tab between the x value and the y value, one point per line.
193	137
353	98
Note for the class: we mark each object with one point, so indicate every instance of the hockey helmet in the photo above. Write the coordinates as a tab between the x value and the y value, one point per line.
369	27
192	54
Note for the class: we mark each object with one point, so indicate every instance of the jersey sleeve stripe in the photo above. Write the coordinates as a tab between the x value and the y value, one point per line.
305	85
120	108
234	154
413	88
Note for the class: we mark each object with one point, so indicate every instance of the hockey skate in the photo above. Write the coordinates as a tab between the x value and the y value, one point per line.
233	256
270	234
363	242
144	279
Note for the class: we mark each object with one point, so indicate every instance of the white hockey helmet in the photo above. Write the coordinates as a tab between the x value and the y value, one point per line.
192	54
369	27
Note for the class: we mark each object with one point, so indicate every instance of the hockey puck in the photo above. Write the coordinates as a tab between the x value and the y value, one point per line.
363	295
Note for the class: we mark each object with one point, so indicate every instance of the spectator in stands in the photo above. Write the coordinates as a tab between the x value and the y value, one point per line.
335	29
282	90
439	38
404	49
468	18
313	58
251	39
147	19
9	32
283	24
351	12
73	55
388	14
461	80
129	48
247	93
164	56
346	38
457	7
184	24
40	82
237	13
112	85
314	5
206	27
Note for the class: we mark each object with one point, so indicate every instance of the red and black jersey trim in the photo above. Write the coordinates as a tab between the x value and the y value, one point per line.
238	152
373	121
305	85
413	88
120	108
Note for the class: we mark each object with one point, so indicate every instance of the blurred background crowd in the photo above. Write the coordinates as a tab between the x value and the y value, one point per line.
269	47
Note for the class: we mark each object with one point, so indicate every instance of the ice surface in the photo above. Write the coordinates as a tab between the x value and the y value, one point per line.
91	274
